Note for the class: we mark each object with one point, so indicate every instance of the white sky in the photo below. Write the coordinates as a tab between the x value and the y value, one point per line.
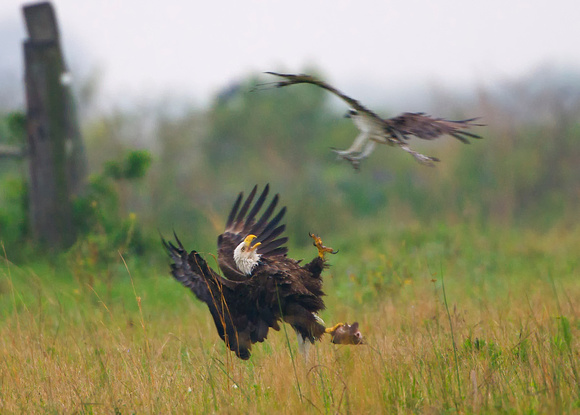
194	48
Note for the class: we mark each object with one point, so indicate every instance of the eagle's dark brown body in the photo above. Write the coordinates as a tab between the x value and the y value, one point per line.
245	307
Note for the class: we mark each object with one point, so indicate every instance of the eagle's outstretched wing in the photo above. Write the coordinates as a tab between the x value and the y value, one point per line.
242	222
217	292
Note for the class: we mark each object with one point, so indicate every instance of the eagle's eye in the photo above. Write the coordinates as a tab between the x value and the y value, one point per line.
243	249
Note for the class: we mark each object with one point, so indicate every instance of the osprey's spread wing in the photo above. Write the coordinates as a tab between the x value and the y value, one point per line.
242	222
429	128
309	79
393	131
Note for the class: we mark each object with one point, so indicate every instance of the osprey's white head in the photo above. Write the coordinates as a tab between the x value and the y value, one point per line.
245	255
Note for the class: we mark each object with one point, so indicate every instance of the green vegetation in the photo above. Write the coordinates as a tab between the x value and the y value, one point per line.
103	327
14	194
131	339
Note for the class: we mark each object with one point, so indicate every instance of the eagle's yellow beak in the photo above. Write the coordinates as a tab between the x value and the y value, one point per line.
248	242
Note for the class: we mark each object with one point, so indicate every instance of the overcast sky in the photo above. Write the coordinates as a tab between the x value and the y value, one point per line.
194	48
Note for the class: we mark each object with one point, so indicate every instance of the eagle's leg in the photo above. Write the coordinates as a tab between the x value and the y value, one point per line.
321	248
303	345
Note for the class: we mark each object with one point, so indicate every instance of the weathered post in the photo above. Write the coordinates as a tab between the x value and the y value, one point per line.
55	149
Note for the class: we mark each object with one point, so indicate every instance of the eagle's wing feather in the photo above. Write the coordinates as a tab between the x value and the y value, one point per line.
272	234
218	293
271	246
299	293
241	224
262	222
234	210
267	231
259	203
239	219
278	251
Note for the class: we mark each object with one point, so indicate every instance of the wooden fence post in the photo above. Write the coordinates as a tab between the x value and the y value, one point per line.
55	149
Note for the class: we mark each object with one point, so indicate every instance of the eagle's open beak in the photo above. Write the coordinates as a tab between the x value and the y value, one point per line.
248	242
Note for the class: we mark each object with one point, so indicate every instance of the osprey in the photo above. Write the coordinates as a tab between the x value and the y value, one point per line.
392	131
260	286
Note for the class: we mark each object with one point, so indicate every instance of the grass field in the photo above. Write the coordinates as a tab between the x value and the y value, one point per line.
457	320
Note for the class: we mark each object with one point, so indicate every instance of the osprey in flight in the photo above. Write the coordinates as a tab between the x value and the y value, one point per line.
392	131
261	286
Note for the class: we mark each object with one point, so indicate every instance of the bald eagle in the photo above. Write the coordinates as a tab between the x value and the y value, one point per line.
260	286
392	131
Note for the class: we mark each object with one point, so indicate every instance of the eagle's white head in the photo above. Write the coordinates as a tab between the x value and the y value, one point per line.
245	255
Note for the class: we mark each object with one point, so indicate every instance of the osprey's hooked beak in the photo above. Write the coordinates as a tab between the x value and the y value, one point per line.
248	242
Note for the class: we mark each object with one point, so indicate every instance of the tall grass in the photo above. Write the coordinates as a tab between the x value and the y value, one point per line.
146	345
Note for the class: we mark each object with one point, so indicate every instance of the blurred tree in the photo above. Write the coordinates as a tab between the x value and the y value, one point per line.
525	172
106	226
277	128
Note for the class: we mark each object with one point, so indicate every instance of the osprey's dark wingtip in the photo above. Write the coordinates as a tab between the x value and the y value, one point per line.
264	86
285	75
268	85
470	120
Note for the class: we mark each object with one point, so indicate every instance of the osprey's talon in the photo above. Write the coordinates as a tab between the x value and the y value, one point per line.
321	248
340	153
353	158
354	162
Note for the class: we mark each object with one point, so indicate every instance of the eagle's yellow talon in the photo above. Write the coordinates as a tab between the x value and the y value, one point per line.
333	328
321	248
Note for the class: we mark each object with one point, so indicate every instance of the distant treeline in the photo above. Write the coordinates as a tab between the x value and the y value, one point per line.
525	172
